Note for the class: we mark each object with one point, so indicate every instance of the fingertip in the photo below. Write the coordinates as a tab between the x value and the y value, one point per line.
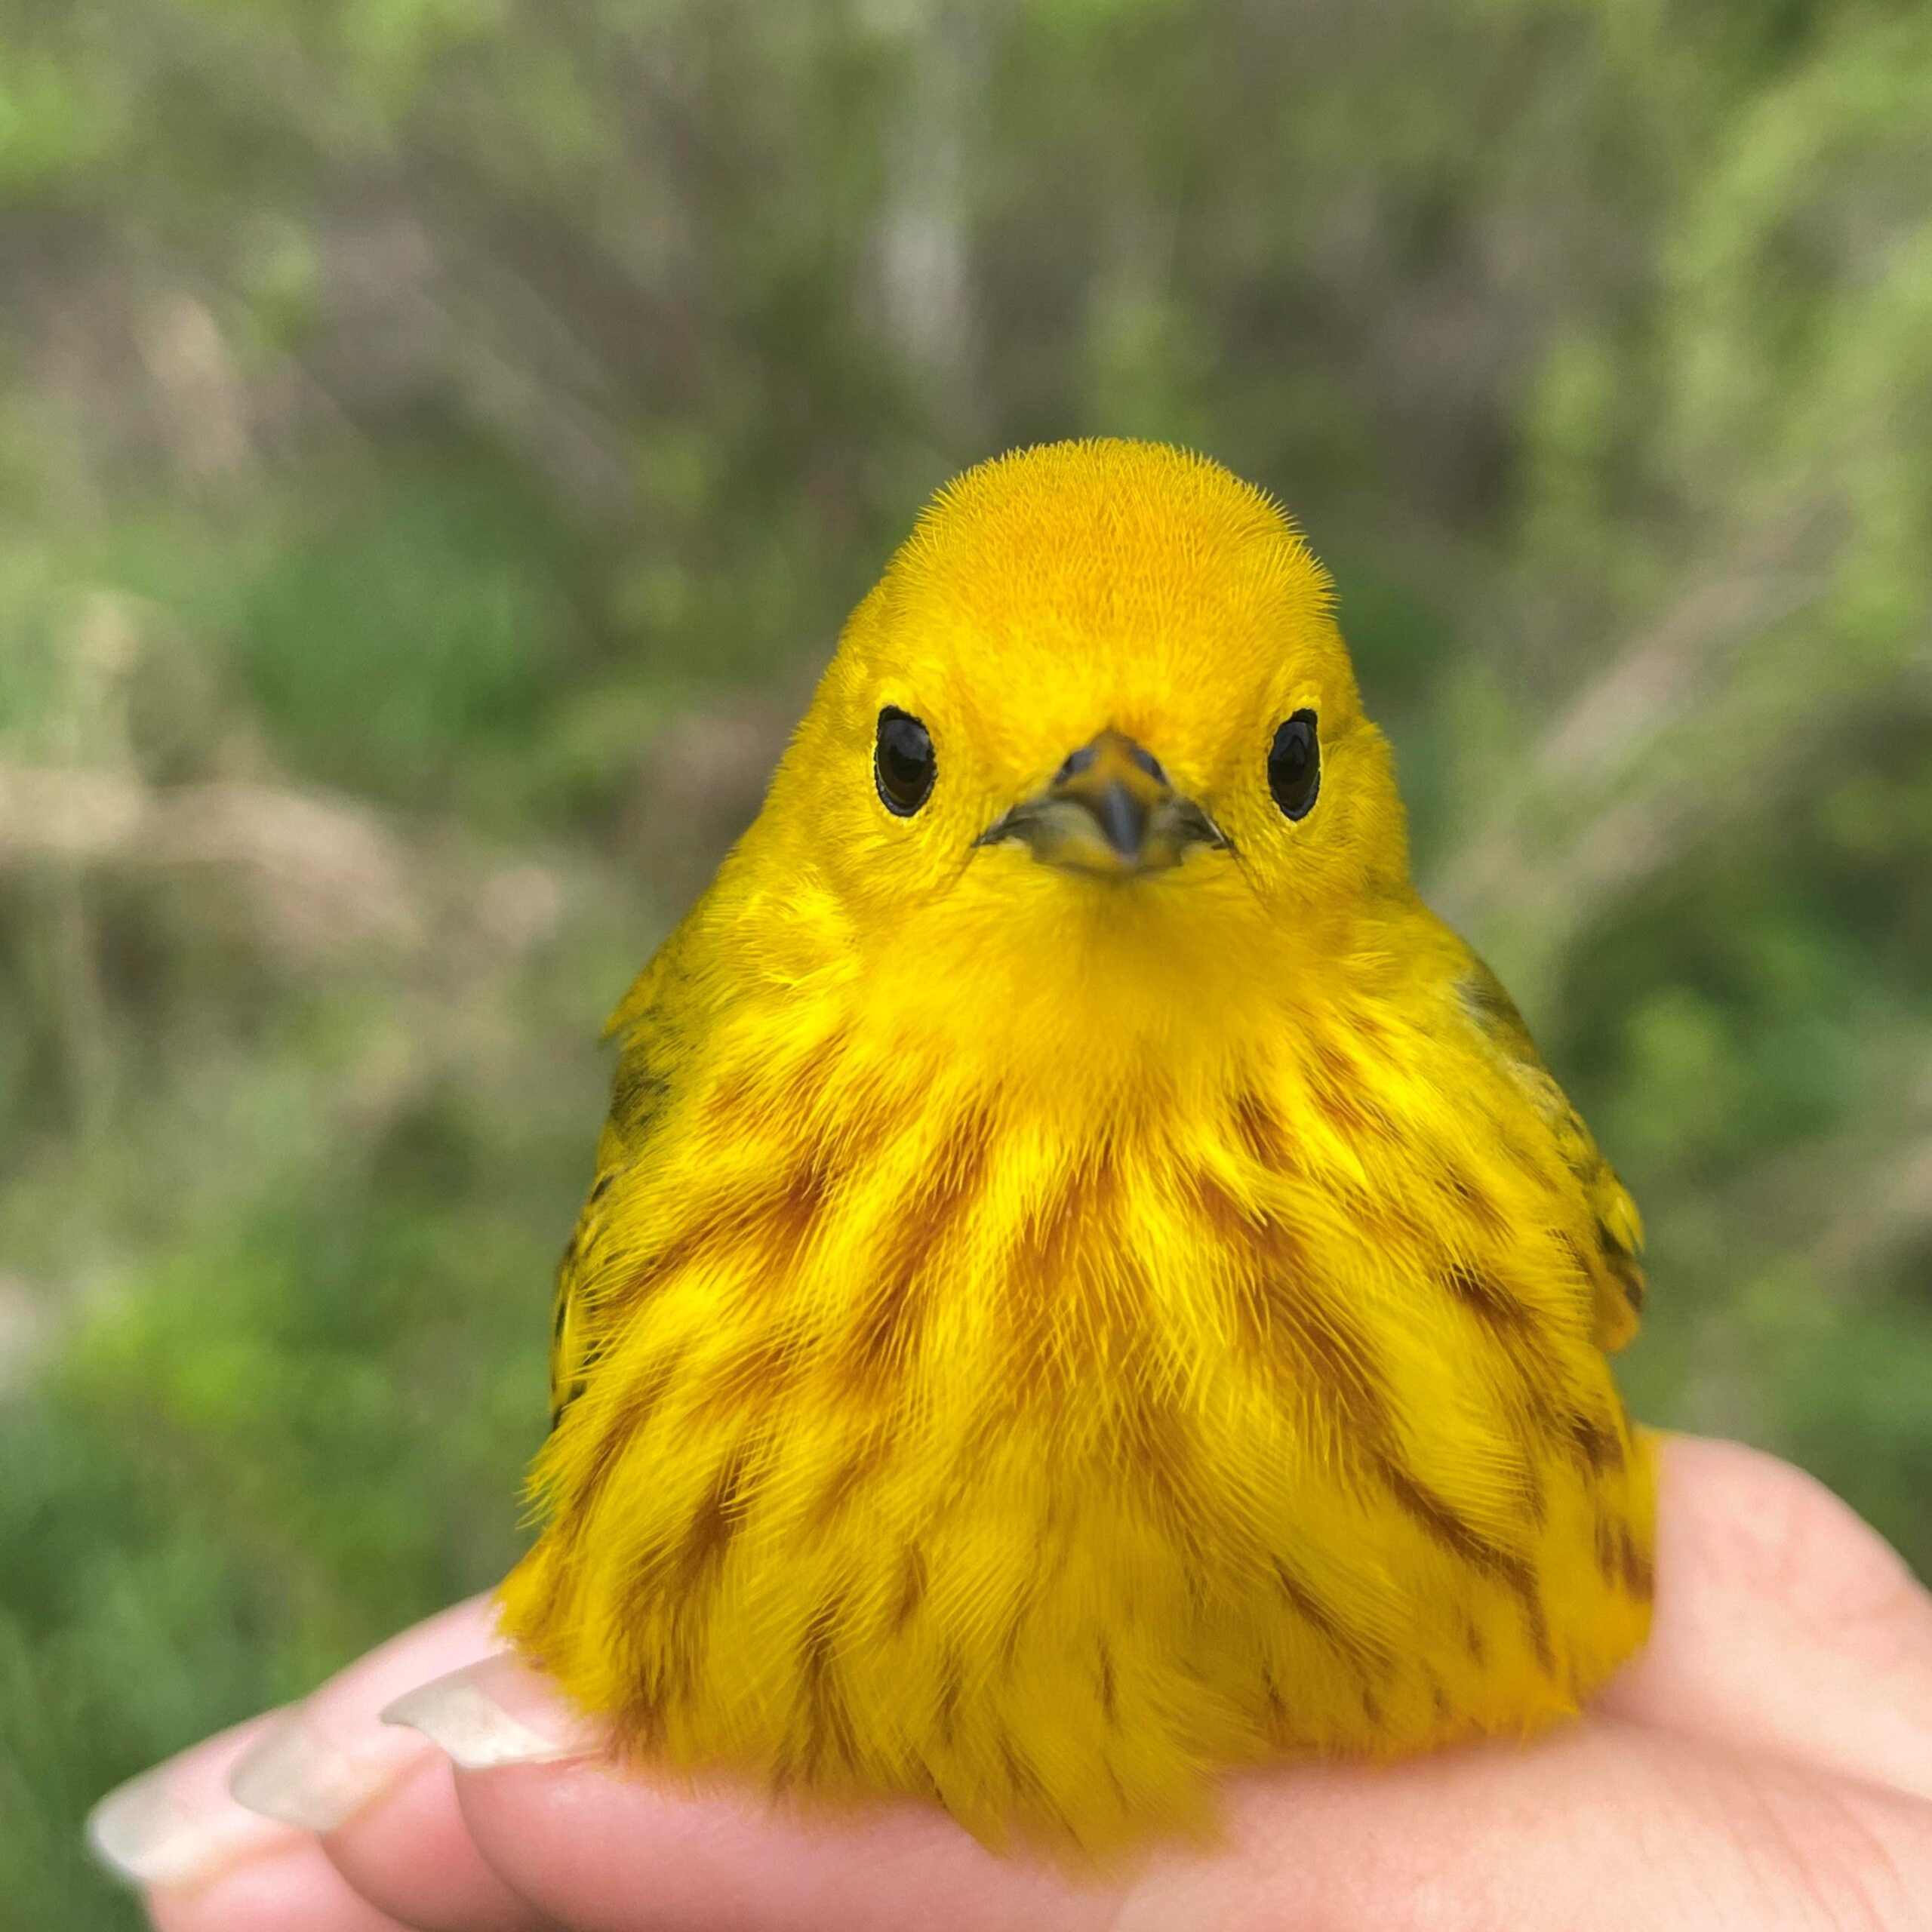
495	1712
452	1638
175	1825
291	1773
379	1794
413	1856
293	1890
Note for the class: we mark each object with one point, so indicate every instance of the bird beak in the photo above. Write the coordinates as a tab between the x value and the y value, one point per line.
1109	811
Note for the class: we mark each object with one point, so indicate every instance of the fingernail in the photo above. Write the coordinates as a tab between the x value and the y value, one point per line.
294	1774
494	1712
150	1831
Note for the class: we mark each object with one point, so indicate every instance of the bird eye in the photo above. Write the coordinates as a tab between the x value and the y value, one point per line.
1294	765
903	766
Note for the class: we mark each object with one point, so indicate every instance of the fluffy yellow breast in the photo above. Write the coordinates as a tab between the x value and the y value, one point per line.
1086	1281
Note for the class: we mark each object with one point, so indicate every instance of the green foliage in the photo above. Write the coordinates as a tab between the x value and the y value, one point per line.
438	439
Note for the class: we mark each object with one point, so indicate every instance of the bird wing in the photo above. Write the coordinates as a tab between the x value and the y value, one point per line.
1612	1259
653	1037
570	1339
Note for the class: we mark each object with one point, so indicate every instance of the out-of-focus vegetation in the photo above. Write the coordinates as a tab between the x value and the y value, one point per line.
438	439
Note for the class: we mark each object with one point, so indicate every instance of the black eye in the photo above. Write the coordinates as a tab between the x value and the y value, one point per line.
1294	765
903	766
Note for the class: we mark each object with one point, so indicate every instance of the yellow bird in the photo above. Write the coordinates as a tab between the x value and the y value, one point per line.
1087	1282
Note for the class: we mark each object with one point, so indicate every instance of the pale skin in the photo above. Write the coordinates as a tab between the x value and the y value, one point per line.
1765	1766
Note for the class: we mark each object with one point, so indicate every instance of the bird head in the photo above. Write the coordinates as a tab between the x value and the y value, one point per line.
1095	722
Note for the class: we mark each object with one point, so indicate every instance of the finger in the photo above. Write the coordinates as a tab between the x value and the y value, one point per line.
1545	1837
412	1852
175	1825
378	1796
1784	1623
208	1865
295	1889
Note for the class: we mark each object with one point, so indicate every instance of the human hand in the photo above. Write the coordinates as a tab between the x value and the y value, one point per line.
1766	1764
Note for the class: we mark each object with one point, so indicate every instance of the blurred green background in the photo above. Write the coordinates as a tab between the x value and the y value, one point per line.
438	440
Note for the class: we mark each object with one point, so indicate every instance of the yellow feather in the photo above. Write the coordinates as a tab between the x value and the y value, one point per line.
1035	1338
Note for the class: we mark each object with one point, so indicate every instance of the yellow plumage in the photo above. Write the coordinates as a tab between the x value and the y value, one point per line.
1054	1318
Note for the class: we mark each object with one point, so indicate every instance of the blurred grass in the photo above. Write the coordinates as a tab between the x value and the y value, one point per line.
437	442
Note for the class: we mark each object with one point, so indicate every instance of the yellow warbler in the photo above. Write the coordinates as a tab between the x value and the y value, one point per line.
1087	1281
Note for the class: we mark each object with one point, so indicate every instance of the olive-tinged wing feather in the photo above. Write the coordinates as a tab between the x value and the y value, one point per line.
648	1025
1614	1262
